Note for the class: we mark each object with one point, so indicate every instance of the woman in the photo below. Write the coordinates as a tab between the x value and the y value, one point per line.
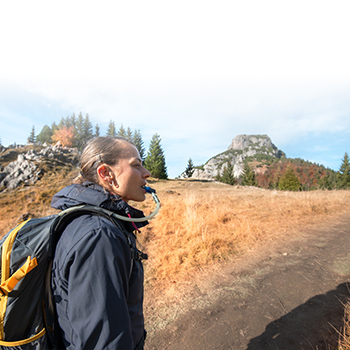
97	288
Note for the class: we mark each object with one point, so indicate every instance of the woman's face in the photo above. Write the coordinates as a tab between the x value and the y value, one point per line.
129	175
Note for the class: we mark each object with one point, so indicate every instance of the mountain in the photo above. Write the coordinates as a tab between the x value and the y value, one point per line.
242	148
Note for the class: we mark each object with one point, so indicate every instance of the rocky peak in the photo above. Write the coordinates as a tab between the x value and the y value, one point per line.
242	148
242	142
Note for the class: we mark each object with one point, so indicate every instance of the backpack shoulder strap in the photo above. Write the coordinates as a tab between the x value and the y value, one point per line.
68	215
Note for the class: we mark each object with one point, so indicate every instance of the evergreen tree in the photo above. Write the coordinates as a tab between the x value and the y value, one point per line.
227	176
189	169
45	135
97	131
62	123
138	142
289	181
121	132
155	160
54	127
111	129
31	137
344	173
80	130
71	121
248	176
332	178
324	183
88	133
128	135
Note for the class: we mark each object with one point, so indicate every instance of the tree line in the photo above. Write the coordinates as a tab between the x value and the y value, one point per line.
290	175
75	131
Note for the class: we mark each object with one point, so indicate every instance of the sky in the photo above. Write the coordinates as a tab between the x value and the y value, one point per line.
198	73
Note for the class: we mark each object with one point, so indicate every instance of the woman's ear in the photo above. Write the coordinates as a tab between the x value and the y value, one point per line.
104	173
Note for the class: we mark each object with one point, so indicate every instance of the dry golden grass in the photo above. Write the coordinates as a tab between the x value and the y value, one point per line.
344	334
203	223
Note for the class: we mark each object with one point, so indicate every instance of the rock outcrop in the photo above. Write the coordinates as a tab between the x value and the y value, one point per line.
26	168
242	148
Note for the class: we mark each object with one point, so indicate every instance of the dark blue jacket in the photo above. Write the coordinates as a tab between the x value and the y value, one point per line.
98	305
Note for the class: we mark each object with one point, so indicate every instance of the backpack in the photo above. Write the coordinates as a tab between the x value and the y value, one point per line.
27	318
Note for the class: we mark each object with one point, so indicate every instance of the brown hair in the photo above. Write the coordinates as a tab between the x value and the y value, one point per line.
103	149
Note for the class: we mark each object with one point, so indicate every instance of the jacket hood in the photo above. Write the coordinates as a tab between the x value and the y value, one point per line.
94	194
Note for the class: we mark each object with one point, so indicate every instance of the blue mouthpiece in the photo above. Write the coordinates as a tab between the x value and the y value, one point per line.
149	189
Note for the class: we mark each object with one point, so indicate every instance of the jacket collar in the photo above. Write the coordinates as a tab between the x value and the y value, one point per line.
94	194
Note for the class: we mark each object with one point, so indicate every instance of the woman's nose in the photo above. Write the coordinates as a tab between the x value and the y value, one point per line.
146	174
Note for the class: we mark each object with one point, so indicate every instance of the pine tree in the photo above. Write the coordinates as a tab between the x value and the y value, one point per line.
121	132
189	169
88	133
72	121
138	142
324	183
155	160
111	129
129	135
289	181
45	135
54	127
83	130
227	176
62	123
248	176
344	173
80	128
31	137
97	131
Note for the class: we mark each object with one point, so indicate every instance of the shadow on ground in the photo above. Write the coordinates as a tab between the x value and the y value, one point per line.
305	326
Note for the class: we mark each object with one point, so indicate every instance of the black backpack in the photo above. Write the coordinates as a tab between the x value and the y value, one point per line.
27	317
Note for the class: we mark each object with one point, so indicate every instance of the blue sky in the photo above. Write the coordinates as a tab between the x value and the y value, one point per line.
196	72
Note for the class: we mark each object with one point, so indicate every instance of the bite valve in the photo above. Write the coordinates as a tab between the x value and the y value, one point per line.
149	190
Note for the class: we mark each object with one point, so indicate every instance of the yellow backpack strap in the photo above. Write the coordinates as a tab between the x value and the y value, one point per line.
6	251
8	285
5	271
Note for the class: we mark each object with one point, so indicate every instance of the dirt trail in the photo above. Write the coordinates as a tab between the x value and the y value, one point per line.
288	296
